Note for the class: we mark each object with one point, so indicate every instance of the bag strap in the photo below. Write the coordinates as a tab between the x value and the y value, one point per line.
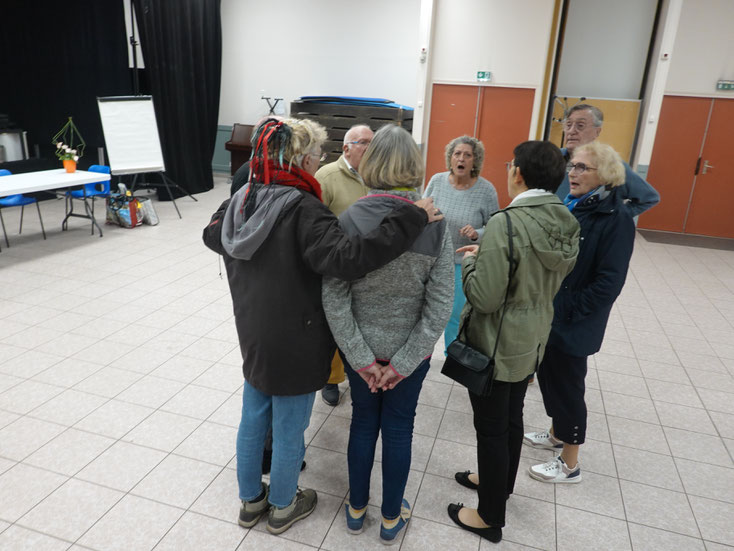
509	280
511	259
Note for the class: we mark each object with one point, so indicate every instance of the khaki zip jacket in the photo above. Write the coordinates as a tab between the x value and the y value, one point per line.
546	243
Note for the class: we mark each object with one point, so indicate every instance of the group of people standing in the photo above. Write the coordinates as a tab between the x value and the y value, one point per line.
393	272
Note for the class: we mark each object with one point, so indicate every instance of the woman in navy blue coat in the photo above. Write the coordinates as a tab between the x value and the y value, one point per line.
583	304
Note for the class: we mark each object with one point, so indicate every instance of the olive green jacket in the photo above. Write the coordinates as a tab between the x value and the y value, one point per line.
546	242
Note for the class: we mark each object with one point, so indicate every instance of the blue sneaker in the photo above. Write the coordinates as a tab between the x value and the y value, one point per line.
388	536
354	525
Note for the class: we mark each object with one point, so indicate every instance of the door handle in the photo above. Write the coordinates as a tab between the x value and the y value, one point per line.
706	166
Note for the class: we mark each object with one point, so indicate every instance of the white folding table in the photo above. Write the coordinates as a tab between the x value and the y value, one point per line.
47	180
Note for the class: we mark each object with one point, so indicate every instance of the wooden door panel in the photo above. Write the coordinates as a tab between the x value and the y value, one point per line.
453	113
711	206
677	144
504	122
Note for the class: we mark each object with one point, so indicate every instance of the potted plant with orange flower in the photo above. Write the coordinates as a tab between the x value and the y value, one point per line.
69	145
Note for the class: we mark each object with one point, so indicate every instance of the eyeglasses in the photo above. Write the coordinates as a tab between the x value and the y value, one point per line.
579	167
580	125
320	156
363	143
509	164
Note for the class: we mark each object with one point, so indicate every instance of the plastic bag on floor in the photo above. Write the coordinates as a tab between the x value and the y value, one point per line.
150	216
124	210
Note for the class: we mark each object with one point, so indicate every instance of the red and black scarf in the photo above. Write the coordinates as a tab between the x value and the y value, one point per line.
270	172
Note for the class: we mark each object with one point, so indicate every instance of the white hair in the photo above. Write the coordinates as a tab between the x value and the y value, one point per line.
352	131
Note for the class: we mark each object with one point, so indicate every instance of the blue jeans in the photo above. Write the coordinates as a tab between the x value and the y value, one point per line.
452	327
289	416
392	413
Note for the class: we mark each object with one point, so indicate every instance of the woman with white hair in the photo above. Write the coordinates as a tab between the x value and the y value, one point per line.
386	325
582	306
467	201
278	239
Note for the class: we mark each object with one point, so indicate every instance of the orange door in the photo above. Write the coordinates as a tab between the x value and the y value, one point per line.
678	143
504	122
711	205
453	113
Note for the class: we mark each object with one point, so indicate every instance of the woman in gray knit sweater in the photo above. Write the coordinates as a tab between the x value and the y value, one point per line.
467	201
386	326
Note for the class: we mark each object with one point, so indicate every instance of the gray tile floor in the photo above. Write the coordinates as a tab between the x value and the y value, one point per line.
120	395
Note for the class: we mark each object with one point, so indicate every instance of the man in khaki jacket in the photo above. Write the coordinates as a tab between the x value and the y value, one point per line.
341	185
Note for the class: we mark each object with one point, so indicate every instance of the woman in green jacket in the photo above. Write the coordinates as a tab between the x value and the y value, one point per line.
545	245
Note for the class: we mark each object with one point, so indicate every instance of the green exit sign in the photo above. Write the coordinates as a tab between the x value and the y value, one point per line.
484	76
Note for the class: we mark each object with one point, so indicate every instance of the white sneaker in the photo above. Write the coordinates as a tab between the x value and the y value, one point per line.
556	471
542	439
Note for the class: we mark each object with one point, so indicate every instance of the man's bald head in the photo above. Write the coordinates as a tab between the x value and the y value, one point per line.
356	141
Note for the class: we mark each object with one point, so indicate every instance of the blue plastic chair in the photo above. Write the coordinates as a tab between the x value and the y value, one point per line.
98	189
21	201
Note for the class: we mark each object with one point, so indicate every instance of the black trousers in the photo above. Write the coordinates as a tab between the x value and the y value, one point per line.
499	427
562	381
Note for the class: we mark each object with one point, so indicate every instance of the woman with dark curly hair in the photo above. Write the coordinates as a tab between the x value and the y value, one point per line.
467	201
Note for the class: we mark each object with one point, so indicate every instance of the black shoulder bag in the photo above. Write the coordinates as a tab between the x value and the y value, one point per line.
470	367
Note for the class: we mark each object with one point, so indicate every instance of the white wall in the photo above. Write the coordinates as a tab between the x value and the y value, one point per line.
510	39
704	49
294	48
605	47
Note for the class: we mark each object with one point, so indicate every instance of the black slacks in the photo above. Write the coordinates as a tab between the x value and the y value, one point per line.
561	378
499	427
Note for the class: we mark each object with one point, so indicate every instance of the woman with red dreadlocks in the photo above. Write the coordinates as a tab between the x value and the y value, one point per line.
278	240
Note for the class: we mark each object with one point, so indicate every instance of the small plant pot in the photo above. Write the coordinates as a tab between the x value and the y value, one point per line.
70	165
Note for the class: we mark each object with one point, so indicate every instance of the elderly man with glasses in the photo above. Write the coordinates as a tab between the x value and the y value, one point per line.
341	185
583	125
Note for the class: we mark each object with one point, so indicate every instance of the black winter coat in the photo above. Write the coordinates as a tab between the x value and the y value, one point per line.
583	304
284	338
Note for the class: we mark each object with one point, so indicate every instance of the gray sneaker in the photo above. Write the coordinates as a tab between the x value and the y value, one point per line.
542	439
251	511
556	472
303	504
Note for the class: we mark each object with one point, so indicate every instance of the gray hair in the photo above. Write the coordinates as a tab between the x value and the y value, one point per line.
392	160
596	114
477	149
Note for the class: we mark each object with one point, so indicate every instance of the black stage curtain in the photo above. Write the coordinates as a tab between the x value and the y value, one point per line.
56	59
182	47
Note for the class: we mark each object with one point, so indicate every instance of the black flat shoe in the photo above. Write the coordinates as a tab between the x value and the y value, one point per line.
463	479
491	533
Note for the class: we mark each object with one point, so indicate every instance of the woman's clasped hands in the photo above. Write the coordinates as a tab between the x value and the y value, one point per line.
380	376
